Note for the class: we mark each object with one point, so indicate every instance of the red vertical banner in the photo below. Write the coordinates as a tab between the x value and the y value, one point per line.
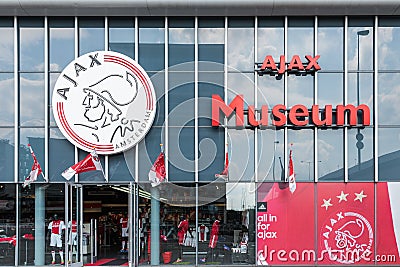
387	224
285	224
345	223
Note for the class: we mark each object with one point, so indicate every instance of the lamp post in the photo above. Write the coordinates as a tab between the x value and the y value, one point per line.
359	135
309	167
273	166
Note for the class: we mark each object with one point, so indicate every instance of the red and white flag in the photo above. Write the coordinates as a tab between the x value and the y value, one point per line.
157	172
225	173
90	163
35	171
292	179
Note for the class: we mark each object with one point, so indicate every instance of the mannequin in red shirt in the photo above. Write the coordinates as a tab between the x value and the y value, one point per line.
183	227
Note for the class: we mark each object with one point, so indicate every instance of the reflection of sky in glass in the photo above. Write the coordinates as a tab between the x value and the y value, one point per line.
266	151
6	99
330	89
151	35
241	48
388	99
241	146
303	152
270	42
330	153
122	35
270	91
240	83
32	49
388	48
366	152
365	90
300	90
330	48
6	49
211	35
62	48
181	36
31	105
300	42
366	48
90	39
52	79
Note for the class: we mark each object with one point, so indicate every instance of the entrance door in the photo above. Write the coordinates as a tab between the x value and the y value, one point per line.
73	217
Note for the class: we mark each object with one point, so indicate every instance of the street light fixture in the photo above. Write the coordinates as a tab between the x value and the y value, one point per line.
309	167
359	135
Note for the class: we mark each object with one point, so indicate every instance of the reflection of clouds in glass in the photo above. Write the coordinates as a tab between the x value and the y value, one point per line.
241	48
27	133
211	35
389	95
303	150
330	47
7	102
300	90
6	48
269	91
122	35
61	33
151	36
300	42
181	36
366	49
241	154
269	42
389	48
31	100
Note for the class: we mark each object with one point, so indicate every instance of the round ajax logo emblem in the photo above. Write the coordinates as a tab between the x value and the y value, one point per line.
104	100
348	238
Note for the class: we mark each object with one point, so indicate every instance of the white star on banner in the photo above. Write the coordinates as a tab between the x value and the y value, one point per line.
342	196
360	196
327	204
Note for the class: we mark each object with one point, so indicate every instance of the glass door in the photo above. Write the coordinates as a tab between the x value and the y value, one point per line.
74	230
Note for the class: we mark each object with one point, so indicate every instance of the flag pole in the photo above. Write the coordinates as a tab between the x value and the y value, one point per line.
161	148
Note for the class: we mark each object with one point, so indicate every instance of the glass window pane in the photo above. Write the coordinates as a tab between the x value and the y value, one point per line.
122	36
269	91
303	153
91	35
209	83
151	43
241	155
388	38
7	155
181	99
118	169
360	43
300	90
31	105
211	152
158	80
31	44
241	44
270	156
360	91
7	99
330	89
53	79
270	38
59	162
7	224
360	154
38	206
388	98
211	41
7	44
330	155
181	154
330	43
61	42
34	137
300	37
389	147
149	149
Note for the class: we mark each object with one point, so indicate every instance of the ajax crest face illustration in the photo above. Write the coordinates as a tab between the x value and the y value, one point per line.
104	100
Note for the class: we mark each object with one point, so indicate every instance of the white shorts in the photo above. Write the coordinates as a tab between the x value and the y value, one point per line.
73	238
124	232
55	240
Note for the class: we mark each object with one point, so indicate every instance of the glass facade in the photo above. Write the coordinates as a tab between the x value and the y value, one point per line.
190	59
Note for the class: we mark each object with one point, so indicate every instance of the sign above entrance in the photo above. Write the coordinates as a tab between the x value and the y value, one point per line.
104	100
296	66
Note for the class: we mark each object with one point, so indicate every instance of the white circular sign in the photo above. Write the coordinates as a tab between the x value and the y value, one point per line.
104	100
